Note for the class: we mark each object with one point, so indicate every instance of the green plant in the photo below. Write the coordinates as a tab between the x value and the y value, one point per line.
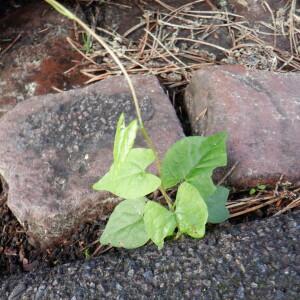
189	163
87	43
258	188
87	254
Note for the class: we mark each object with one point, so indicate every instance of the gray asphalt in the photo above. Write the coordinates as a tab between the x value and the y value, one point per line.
257	260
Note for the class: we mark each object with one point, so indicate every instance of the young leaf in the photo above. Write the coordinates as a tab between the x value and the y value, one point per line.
129	180
125	227
203	183
261	187
191	211
124	139
193	156
159	222
216	204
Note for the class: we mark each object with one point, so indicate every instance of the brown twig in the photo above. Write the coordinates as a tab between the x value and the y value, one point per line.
7	48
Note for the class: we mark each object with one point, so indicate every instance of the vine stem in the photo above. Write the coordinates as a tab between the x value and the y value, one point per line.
64	11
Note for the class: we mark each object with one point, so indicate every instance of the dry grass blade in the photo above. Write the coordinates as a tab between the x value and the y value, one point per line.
293	204
10	45
69	40
166	49
277	201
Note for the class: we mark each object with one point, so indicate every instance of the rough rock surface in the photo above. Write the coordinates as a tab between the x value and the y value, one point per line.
258	260
54	147
260	111
35	54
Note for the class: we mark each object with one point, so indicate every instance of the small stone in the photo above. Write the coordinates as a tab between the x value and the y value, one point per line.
92	285
260	110
254	285
240	293
206	283
19	289
42	290
57	162
148	275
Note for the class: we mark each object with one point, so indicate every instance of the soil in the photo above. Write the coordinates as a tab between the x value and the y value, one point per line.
16	252
17	255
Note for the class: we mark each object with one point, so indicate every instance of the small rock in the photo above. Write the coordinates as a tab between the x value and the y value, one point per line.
42	290
49	180
19	289
130	273
148	275
260	111
240	293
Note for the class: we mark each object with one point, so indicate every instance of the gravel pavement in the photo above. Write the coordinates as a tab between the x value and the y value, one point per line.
257	260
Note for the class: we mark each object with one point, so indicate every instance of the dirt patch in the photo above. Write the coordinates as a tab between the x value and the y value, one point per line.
18	255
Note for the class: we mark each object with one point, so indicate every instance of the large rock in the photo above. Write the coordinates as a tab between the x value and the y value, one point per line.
54	147
261	112
35	54
257	260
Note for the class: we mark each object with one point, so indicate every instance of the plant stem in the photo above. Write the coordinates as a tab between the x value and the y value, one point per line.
64	11
167	198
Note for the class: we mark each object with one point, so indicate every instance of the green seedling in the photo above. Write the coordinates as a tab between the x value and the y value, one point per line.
188	164
87	254
87	43
258	188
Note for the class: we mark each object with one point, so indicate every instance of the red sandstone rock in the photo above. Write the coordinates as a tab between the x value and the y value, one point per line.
54	147
38	56
261	112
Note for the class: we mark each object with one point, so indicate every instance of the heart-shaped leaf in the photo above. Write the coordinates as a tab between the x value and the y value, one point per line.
193	156
129	179
191	211
203	183
125	227
159	222
216	204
